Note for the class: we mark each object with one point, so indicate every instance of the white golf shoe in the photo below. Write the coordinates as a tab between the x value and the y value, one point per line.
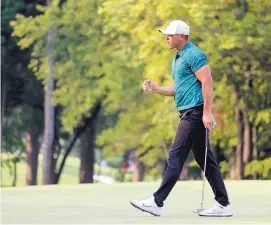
217	211
147	205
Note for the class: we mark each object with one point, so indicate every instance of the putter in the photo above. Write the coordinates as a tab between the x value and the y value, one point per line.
204	171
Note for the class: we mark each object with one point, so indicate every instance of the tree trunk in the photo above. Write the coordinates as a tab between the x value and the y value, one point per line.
137	169
15	175
256	154
240	146
32	151
138	174
47	148
3	104
232	164
88	145
87	154
248	145
15	161
3	99
49	117
78	131
3	84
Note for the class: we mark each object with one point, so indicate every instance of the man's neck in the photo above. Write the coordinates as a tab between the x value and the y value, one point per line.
180	47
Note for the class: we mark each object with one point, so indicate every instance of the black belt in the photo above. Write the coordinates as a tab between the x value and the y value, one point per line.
200	107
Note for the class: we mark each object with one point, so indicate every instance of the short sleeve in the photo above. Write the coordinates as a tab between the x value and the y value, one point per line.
197	60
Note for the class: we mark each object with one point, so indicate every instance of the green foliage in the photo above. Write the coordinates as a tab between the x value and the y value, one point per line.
224	168
8	162
19	88
104	49
85	61
226	25
259	167
13	132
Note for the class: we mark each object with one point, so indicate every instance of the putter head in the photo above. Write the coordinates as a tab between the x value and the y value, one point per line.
198	210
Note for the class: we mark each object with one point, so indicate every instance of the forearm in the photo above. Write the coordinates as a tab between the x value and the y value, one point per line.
207	92
165	91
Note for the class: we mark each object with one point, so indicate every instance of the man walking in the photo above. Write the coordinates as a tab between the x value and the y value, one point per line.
192	89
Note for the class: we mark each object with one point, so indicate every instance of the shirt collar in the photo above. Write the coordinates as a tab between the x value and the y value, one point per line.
184	48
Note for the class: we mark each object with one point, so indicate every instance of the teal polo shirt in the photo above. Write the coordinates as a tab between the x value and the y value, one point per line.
187	88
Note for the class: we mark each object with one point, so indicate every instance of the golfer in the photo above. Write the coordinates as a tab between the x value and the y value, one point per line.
192	90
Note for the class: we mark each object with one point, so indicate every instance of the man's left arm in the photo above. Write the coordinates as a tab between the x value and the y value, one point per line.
205	77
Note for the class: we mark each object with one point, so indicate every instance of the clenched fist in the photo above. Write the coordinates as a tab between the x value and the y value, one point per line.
148	85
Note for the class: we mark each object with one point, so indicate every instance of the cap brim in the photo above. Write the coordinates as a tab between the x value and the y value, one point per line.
166	32
163	31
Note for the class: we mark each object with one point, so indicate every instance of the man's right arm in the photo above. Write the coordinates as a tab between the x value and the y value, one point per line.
165	91
149	86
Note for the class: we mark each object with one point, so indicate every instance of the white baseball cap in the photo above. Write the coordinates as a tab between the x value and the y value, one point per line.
176	27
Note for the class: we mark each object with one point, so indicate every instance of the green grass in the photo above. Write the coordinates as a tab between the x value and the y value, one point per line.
100	204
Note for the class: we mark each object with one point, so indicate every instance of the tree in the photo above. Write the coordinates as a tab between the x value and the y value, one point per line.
87	157
49	110
102	54
242	65
238	64
146	123
21	92
78	59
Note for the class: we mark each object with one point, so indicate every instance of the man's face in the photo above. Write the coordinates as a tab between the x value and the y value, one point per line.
173	41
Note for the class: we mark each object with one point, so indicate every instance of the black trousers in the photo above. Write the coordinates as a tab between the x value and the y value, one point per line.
191	135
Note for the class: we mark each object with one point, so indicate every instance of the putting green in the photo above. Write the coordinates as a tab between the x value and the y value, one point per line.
101	204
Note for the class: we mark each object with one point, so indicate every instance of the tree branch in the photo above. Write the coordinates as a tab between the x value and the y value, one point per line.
77	133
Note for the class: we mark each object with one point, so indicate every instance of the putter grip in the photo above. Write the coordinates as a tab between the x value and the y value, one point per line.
206	137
